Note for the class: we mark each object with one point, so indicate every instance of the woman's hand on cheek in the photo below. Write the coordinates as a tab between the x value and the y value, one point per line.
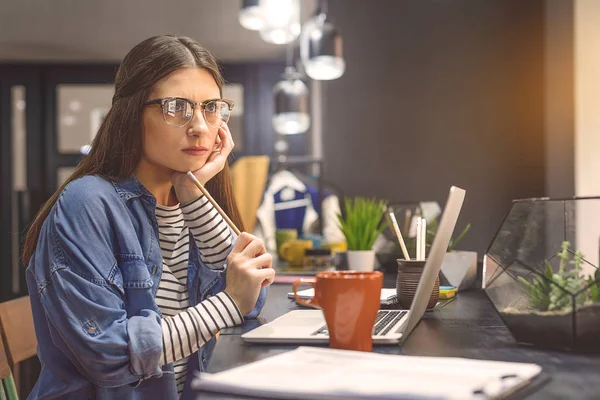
218	158
183	185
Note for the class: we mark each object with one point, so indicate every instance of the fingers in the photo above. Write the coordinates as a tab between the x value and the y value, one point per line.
225	133
248	244
241	242
227	143
262	261
223	146
267	275
255	248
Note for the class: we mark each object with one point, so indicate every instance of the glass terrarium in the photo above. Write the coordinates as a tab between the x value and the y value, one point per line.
541	273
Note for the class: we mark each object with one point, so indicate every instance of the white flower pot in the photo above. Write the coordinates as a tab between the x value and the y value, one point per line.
361	260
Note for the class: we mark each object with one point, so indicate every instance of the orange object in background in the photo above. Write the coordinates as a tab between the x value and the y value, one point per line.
350	301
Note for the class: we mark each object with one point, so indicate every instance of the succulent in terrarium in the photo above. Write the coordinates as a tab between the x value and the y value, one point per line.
554	291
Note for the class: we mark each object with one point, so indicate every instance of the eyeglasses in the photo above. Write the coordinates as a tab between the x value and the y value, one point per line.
178	112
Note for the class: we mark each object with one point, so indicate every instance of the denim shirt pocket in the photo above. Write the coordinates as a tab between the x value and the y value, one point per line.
133	279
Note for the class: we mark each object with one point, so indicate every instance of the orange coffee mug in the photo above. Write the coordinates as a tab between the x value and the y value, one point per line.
350	301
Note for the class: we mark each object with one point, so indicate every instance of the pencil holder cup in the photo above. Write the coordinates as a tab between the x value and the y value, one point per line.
407	281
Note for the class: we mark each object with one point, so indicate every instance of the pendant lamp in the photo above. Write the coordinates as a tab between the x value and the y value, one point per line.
321	47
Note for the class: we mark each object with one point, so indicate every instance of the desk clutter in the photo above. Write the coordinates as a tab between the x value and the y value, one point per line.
321	373
307	253
389	299
351	300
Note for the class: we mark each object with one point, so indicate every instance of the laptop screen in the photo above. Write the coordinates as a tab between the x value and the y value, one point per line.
434	260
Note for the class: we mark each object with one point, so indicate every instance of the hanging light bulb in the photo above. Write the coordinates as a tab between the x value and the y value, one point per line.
251	16
321	48
282	20
291	104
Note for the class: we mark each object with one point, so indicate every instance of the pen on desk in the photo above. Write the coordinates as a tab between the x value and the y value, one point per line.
399	236
418	240
214	203
423	238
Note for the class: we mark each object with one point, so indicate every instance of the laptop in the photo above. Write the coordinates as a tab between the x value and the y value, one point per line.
391	326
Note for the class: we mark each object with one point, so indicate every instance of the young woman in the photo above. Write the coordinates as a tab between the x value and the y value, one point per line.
126	262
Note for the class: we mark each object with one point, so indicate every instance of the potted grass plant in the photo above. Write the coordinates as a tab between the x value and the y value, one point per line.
362	224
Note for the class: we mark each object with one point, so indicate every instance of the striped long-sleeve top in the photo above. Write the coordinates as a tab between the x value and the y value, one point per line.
186	328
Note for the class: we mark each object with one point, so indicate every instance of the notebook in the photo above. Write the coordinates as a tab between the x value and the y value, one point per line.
388	296
391	326
322	373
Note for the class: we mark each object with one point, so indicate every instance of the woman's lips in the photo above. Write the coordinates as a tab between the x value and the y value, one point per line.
195	152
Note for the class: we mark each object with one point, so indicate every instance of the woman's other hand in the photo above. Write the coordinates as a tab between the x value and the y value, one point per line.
249	269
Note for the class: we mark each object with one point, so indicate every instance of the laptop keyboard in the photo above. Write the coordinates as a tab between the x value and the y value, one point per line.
385	321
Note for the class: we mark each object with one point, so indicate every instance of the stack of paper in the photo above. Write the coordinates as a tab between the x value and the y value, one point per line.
388	296
309	373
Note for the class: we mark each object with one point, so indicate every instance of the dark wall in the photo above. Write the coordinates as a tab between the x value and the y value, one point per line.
439	93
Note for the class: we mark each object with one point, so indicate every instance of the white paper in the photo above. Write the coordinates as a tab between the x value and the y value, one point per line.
388	296
309	372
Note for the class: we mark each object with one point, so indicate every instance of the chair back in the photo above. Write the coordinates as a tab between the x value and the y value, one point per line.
16	321
17	341
8	390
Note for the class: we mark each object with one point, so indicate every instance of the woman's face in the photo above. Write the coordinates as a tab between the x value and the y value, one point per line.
184	148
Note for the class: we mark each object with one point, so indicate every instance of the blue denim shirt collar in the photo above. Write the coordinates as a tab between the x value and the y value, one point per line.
131	187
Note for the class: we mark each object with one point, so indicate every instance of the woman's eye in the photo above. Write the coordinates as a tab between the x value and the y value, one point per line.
180	106
174	107
211	107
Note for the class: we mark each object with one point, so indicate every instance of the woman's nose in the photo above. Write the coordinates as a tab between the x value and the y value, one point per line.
198	123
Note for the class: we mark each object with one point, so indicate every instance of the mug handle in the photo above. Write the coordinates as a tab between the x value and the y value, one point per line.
308	303
283	249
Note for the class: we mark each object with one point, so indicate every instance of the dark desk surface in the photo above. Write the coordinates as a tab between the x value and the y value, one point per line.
467	327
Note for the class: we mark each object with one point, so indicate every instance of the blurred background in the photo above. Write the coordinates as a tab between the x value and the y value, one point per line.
499	97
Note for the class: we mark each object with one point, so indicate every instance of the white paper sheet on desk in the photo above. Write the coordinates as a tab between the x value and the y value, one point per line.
322	373
388	296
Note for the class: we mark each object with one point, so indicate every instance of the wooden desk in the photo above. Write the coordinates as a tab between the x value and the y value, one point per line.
467	327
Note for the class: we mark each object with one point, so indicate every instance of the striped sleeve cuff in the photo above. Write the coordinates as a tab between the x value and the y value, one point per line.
229	303
231	307
211	233
186	332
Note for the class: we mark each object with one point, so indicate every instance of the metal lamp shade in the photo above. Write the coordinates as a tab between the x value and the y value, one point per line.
251	15
291	107
321	49
282	21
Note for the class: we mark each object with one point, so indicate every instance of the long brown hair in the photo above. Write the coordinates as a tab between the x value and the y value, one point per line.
117	148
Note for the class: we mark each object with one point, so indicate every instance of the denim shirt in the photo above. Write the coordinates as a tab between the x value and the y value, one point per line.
92	282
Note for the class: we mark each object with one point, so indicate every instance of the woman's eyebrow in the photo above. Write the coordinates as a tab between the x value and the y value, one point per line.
191	98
